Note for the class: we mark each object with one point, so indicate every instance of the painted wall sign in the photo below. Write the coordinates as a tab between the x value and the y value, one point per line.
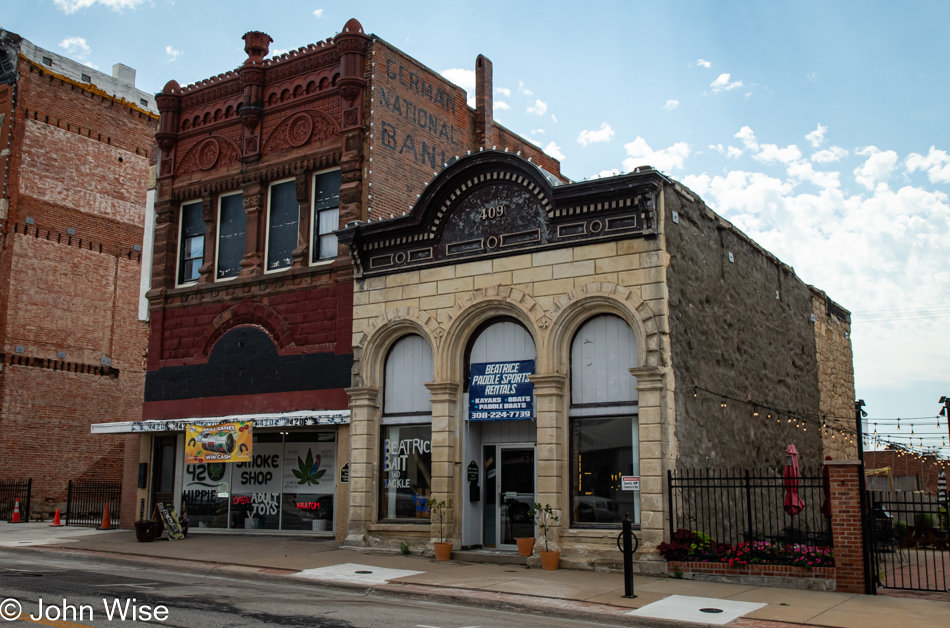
501	391
473	472
345	473
224	442
630	483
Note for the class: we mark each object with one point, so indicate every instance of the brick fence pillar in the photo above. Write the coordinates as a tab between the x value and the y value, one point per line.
846	528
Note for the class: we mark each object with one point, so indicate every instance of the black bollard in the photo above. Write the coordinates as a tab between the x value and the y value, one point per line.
628	550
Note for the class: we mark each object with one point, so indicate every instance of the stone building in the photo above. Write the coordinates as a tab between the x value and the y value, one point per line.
74	147
251	299
519	339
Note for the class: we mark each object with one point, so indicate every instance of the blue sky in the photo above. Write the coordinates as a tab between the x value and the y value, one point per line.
820	129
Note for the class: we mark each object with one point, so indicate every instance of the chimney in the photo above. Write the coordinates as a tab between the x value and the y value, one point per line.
123	74
484	117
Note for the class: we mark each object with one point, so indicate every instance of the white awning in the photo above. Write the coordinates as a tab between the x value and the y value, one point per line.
300	418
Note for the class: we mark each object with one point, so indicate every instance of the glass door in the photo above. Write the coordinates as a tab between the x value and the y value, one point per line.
515	494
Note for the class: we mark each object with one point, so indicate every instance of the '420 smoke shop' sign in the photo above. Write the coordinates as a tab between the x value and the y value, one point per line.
501	390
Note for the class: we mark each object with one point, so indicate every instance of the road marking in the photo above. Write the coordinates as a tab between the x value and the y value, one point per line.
424	626
57	624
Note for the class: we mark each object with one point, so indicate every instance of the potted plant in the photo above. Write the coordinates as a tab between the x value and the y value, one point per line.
443	550
544	518
521	512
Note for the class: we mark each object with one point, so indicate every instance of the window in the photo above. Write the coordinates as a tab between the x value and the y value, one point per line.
406	432
282	225
143	102
604	423
232	230
86	78
326	212
47	61
192	243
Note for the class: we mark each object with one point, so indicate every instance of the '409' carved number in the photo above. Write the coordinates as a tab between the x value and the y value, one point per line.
496	211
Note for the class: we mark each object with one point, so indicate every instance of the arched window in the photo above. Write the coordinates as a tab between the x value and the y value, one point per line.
604	423
406	476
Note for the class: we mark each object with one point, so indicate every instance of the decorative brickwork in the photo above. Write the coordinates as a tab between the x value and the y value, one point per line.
818	578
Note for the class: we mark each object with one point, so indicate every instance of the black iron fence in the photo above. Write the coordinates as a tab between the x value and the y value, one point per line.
10	492
734	506
910	546
87	501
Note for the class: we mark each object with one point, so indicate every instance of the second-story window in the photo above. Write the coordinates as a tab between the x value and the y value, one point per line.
326	215
282	224
232	235
191	255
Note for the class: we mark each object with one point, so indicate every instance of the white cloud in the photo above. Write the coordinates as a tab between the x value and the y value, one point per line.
936	164
276	52
811	77
539	107
803	171
605	134
71	6
464	79
639	153
501	105
829	155
174	54
878	167
729	151
524	90
671	105
817	137
703	63
504	91
535	142
318	13
767	153
537	131
553	118
76	46
613	172
553	150
722	83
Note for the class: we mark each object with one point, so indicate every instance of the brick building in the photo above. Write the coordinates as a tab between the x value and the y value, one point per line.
75	145
251	300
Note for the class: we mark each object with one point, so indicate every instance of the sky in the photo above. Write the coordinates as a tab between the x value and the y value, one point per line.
819	129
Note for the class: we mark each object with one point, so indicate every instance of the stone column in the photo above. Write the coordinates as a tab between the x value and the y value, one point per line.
445	423
653	452
846	529
364	457
301	254
552	421
252	262
207	272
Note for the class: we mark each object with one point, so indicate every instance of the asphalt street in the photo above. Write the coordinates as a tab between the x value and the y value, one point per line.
74	593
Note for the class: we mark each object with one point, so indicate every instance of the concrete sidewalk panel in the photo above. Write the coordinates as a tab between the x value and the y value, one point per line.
701	610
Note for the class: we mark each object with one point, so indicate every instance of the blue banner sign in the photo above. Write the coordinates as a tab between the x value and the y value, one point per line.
501	390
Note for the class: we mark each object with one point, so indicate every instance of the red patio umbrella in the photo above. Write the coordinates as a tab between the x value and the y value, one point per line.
793	503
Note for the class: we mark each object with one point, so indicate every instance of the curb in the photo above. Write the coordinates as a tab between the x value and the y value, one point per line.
536	605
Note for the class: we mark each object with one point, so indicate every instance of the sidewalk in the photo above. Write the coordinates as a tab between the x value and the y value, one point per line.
583	595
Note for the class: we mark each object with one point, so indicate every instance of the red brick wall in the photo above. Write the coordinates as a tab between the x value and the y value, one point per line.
926	469
79	161
846	527
320	320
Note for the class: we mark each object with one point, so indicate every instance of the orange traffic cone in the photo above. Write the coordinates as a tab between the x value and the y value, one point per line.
106	519
56	521
16	512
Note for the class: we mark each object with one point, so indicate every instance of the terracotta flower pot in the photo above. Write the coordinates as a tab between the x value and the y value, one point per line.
549	560
443	551
525	546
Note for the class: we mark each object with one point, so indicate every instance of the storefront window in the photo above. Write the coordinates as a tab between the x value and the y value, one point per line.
407	475
602	452
289	484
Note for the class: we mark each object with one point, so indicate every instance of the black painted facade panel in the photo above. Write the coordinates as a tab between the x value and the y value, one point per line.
245	362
